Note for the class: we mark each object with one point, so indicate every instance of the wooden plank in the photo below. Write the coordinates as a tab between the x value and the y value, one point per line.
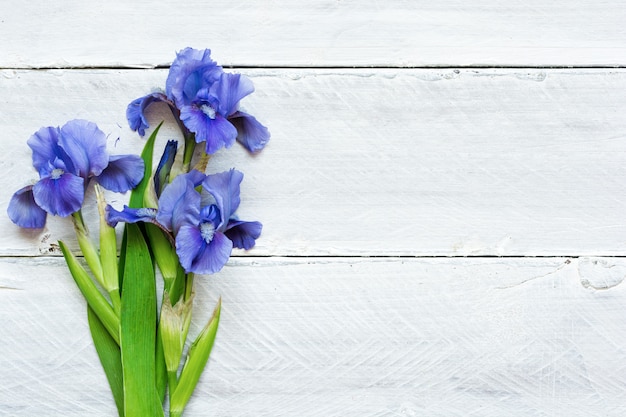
393	162
316	33
350	337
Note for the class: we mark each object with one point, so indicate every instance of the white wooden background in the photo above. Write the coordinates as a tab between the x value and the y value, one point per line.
443	199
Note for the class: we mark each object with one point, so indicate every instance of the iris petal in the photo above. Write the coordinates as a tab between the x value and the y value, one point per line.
217	132
229	90
135	112
129	215
196	177
85	144
191	70
198	256
123	173
179	204
224	187
61	196
250	133
243	234
24	212
45	146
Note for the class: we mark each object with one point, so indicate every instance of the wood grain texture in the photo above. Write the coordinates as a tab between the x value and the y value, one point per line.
380	162
89	33
443	241
350	337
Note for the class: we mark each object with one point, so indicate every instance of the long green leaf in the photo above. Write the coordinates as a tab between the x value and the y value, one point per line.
138	329
109	354
197	358
136	196
136	201
93	297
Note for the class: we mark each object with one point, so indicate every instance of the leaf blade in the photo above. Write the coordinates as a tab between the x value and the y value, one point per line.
110	358
138	329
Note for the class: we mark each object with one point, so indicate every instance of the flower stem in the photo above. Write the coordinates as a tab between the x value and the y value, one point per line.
188	285
87	247
172	381
108	254
94	298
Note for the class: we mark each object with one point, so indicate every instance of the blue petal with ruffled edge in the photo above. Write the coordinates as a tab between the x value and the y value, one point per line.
85	145
224	187
191	70
243	234
250	133
23	210
136	111
179	203
123	173
47	153
60	195
129	215
229	90
216	131
200	253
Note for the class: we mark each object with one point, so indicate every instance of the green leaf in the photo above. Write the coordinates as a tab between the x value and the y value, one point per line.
138	326
161	368
109	354
136	197
94	298
197	358
136	201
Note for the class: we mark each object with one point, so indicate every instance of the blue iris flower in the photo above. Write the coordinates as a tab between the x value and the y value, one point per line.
67	159
203	224
206	100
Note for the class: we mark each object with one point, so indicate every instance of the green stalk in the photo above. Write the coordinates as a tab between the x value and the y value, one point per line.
87	247
108	253
94	298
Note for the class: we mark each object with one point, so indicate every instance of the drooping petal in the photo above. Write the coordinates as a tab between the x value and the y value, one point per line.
60	196
46	149
85	144
216	131
229	90
250	133
135	112
224	187
198	256
24	212
123	173
243	234
191	70
179	204
130	215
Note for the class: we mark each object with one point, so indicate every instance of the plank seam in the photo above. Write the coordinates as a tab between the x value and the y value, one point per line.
336	67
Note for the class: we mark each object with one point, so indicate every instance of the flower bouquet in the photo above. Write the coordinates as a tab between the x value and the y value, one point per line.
179	220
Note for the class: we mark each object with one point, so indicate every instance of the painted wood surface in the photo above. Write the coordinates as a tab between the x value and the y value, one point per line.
393	162
351	337
439	240
279	33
